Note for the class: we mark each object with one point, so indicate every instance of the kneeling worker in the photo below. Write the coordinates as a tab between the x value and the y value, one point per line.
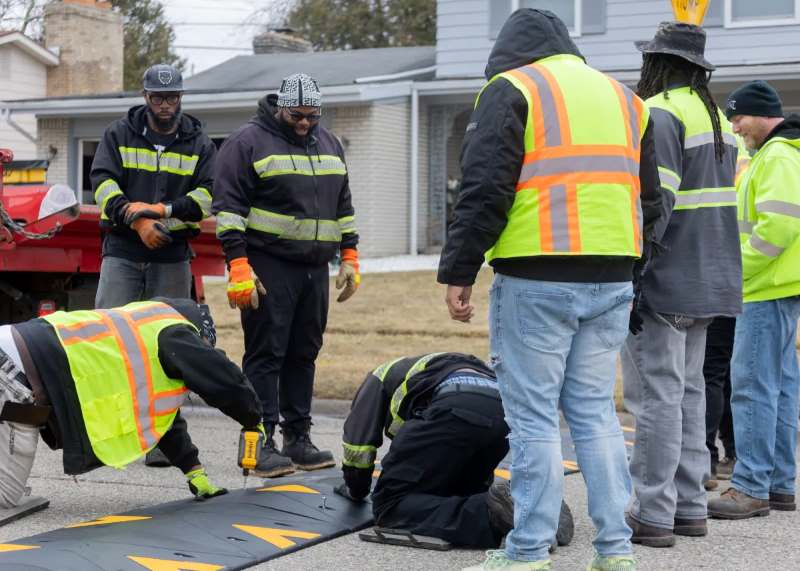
107	386
445	418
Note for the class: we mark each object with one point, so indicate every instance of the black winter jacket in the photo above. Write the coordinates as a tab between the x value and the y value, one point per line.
182	353
182	175
264	166
370	414
491	159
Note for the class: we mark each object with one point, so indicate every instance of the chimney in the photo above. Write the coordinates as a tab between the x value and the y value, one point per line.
279	40
88	36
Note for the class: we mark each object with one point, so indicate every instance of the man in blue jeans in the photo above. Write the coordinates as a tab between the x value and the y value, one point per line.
764	373
561	205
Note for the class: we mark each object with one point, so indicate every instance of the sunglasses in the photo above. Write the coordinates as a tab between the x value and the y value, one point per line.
297	116
157	99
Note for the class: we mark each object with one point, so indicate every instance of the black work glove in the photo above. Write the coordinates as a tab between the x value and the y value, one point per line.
344	491
358	481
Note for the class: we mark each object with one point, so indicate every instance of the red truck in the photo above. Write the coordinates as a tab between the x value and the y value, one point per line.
50	245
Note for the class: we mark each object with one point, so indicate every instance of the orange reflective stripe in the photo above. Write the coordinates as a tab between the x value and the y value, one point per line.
626	114
636	209
638	109
569	151
558	100
535	115
148	374
151	318
572	218
545	221
579	178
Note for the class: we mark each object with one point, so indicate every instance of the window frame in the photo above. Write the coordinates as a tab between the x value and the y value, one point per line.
79	190
578	28
729	22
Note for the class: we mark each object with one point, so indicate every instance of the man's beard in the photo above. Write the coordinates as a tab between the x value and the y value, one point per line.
165	125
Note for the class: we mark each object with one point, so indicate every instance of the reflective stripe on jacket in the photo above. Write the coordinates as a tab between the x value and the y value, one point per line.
699	272
769	221
578	189
127	400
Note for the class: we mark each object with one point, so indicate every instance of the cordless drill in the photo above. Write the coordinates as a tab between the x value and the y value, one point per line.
250	443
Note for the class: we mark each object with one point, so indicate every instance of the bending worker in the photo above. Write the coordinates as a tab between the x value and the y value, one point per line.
444	416
106	386
283	209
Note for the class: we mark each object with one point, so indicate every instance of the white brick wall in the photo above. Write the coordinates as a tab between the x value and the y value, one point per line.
54	133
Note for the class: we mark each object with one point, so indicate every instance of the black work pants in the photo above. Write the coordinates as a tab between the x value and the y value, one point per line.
439	467
282	338
717	373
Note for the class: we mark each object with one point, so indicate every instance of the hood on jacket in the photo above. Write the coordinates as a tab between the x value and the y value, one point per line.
189	126
198	315
265	118
789	128
527	36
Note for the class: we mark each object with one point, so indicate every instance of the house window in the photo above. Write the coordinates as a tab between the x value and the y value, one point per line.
86	151
742	13
582	17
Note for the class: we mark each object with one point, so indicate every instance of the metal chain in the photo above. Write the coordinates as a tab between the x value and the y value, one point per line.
18	228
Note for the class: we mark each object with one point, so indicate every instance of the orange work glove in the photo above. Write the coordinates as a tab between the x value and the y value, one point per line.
348	274
136	210
244	286
152	232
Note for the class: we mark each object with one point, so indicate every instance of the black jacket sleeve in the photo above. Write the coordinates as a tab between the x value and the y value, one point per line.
108	178
209	373
234	176
345	208
491	159
651	196
191	208
177	446
363	435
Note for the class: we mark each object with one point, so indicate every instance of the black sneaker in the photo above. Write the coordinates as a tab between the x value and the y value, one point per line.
156	459
501	507
297	445
272	463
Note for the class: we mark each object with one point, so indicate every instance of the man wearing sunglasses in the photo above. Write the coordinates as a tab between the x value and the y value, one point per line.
152	179
282	201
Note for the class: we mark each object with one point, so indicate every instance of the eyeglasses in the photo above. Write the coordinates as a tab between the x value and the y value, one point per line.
297	116
157	99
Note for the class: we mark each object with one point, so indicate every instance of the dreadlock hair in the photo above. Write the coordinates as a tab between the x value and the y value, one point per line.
661	70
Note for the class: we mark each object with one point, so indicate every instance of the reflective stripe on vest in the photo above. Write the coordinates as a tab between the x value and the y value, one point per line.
175	224
138	158
203	199
127	400
276	165
359	455
577	194
227	221
401	392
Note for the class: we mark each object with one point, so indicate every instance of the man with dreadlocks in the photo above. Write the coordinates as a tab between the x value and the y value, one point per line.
697	277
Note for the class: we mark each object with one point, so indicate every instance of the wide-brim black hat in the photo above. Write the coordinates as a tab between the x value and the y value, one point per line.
686	41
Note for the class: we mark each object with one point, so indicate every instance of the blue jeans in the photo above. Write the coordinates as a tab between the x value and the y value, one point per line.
557	343
764	397
123	281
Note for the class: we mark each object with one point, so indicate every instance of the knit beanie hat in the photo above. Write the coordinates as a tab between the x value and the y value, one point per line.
757	98
299	90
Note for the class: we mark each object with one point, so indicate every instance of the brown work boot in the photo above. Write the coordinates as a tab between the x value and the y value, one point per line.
782	502
710	484
690	527
649	535
733	504
501	507
725	468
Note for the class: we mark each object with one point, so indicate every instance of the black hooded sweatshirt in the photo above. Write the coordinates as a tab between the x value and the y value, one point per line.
491	159
788	129
319	196
140	185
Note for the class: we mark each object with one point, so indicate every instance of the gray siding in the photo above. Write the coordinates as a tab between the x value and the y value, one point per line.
463	42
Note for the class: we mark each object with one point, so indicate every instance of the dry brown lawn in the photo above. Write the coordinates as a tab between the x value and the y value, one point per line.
391	315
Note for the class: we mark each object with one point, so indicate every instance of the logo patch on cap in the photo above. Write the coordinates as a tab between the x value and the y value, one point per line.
732	104
165	76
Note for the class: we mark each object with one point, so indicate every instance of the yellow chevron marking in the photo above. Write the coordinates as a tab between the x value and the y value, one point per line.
289	488
9	547
277	537
168	565
109	519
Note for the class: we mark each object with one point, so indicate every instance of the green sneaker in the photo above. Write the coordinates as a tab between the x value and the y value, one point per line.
613	563
496	559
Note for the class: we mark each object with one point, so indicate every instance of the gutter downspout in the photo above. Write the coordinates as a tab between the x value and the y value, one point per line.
5	114
413	215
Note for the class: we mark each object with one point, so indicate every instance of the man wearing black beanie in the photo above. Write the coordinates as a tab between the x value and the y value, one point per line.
765	378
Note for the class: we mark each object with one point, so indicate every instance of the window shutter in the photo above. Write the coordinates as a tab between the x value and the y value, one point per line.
499	11
594	17
715	14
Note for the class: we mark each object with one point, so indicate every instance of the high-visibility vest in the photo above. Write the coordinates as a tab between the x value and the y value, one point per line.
578	189
127	400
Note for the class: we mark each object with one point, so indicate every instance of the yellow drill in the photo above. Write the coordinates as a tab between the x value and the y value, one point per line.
250	443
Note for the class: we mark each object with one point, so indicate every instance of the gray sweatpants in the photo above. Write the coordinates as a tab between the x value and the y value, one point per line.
662	370
17	446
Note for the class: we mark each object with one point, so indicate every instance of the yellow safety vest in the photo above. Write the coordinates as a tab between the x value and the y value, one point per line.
578	189
127	400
